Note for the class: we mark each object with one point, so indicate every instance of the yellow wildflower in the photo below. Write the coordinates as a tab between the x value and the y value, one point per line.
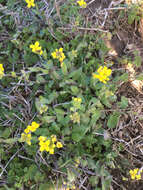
135	174
77	100
53	137
51	148
1	71
42	138
82	3
49	145
51	151
77	162
26	138
34	126
27	130
76	103
42	146
59	145
75	117
103	74
138	177
30	3
58	54
36	48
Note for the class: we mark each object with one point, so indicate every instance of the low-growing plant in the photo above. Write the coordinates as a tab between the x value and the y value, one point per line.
58	101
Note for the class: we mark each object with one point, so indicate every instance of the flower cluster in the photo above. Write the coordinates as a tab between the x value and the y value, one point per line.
75	117
36	48
26	136
82	3
30	3
1	71
77	162
43	108
135	174
58	54
103	74
76	102
49	144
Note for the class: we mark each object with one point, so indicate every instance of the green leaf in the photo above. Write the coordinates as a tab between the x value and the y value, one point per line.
124	102
55	75
139	77
59	111
9	141
82	45
34	69
40	79
6	133
79	132
64	68
85	118
76	74
77	136
138	61
95	102
113	120
48	119
75	90
95	117
71	176
124	77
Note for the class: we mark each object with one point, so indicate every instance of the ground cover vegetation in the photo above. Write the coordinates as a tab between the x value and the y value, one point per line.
71	95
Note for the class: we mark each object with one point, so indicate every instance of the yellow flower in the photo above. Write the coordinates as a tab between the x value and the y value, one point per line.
134	174
59	145
1	68
82	3
58	54
35	125
51	151
30	3
77	100
138	177
103	74
36	48
53	137
49	145
27	130
42	146
75	117
1	71
51	148
32	127
76	103
77	162
26	138
42	138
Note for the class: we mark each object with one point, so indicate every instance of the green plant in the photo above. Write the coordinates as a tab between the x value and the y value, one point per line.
49	79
